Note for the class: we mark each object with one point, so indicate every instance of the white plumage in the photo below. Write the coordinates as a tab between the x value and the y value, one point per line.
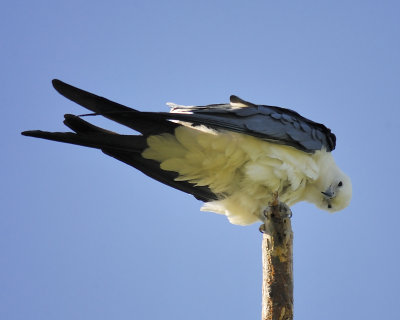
248	171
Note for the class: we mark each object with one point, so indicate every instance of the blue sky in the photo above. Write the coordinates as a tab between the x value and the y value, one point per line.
83	236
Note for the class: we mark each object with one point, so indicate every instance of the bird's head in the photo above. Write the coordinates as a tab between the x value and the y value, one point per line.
336	194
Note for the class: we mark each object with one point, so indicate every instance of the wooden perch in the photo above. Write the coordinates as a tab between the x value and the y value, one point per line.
277	259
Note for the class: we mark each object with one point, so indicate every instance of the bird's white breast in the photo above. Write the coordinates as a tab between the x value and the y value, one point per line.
242	169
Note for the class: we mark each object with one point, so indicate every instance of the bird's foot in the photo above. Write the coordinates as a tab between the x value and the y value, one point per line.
275	210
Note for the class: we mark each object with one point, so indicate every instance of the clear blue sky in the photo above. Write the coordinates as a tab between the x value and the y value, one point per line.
83	236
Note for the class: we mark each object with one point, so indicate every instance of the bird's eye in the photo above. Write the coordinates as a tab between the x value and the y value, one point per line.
329	206
340	184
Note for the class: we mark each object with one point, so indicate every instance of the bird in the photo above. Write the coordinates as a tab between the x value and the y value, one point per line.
232	156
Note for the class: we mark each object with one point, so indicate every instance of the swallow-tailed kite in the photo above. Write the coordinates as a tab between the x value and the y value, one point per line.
233	157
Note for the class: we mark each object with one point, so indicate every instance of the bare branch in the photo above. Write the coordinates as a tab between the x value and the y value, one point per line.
277	257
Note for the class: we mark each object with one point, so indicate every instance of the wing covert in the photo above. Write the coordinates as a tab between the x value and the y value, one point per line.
274	124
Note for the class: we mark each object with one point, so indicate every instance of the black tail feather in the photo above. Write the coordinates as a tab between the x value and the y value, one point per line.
114	111
94	140
81	126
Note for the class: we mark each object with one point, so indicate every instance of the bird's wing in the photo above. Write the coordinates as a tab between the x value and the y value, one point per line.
270	123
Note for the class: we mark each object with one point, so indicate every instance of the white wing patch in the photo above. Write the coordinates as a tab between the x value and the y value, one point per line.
244	170
177	108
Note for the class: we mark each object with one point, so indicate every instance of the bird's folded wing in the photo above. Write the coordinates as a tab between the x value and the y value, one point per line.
274	124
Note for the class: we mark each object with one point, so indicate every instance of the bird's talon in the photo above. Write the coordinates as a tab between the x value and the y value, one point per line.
280	210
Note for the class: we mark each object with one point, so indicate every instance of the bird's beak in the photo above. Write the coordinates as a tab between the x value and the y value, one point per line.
328	193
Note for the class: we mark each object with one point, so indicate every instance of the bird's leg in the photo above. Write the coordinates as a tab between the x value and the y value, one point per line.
275	199
275	210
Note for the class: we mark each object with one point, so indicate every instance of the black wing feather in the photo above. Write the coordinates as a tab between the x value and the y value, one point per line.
261	122
271	123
